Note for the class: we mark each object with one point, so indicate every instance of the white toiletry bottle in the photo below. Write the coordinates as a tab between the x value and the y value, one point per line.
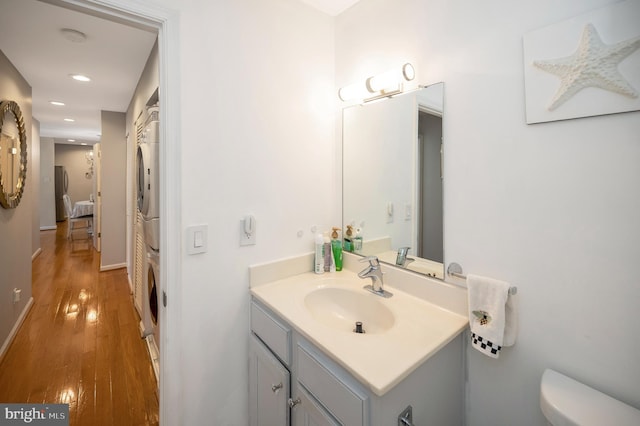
319	254
357	241
328	259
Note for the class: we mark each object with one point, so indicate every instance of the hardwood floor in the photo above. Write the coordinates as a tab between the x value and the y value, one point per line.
80	342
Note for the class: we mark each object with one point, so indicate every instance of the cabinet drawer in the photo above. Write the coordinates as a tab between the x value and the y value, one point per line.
273	332
341	396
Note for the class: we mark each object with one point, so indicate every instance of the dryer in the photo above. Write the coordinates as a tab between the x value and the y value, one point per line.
151	308
148	182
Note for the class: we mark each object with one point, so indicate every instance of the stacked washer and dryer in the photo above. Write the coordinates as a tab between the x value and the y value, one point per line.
148	194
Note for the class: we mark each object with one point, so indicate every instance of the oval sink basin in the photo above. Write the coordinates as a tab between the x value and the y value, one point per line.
340	308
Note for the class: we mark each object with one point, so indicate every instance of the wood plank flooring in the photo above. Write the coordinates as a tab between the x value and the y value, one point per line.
80	342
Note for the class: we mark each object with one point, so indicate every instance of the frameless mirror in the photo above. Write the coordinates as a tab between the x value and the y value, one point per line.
392	178
13	154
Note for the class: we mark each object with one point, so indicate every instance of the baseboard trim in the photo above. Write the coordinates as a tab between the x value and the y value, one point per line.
36	254
48	228
16	327
114	266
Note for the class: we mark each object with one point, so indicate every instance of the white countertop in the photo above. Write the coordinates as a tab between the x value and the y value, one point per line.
379	361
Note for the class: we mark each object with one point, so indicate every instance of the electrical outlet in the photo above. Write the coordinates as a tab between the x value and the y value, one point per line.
16	295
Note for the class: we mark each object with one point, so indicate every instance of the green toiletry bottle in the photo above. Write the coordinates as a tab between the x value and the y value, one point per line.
336	248
348	239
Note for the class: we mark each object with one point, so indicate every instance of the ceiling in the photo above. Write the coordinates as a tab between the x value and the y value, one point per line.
331	7
113	56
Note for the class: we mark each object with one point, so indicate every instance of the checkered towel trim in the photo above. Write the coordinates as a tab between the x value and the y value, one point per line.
485	346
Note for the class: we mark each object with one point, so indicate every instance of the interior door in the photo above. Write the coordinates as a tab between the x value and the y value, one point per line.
97	208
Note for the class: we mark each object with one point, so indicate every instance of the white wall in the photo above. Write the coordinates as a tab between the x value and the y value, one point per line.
47	184
34	167
551	208
258	110
380	168
113	146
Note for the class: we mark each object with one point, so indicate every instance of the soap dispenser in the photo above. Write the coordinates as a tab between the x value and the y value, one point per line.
357	241
348	239
336	248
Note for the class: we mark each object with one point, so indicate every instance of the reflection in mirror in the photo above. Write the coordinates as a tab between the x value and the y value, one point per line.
13	154
392	178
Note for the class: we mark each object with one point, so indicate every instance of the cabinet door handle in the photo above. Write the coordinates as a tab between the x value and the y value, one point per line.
276	388
293	403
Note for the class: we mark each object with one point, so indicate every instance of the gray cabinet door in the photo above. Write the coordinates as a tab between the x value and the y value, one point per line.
269	387
308	412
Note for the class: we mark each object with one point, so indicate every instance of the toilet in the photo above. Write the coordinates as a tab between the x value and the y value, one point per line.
566	402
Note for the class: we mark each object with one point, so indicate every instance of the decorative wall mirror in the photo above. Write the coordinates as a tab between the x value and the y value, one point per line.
13	154
392	178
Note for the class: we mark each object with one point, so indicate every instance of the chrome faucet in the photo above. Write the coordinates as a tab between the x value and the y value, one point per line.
374	272
402	259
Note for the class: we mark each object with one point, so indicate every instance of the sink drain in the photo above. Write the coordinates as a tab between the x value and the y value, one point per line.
359	328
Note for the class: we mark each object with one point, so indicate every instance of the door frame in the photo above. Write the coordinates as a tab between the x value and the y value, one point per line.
166	22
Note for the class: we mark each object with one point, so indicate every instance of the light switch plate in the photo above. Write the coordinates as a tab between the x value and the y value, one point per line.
197	239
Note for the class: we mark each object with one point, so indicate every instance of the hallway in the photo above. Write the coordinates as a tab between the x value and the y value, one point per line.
80	342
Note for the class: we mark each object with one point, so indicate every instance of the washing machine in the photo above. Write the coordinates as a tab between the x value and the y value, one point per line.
148	180
150	298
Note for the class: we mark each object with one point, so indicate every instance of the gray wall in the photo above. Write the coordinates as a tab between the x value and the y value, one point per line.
35	187
47	184
15	224
113	168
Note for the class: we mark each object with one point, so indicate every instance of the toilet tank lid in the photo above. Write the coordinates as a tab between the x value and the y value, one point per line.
565	401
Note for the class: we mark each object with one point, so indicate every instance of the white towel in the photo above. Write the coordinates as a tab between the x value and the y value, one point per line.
492	314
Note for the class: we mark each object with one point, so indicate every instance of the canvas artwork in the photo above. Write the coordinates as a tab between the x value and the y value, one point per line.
586	66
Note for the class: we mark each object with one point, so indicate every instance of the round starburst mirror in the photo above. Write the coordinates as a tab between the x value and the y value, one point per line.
13	154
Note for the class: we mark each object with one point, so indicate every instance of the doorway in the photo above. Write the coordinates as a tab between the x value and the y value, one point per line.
165	23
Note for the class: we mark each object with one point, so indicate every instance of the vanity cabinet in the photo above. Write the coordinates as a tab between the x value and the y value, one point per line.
313	389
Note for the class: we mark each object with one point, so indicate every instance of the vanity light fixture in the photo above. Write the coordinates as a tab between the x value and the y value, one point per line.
379	86
80	77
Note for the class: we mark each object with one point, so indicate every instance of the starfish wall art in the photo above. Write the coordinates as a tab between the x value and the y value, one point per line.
599	76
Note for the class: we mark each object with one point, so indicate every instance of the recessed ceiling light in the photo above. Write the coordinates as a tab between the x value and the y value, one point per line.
80	77
56	103
69	119
82	143
71	140
73	35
